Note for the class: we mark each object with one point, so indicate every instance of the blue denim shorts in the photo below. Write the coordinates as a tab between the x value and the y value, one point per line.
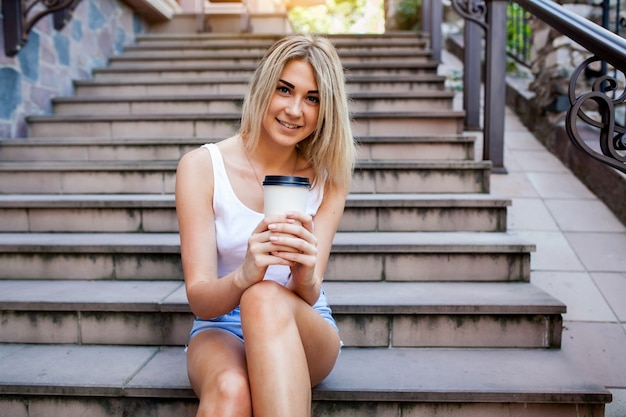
231	322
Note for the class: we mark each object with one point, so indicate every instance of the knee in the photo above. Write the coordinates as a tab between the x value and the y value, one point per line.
264	299
229	395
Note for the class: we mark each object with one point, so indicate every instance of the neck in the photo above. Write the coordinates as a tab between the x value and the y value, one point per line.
271	163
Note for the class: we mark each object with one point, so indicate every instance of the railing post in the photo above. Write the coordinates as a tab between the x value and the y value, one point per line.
426	16
495	84
472	74
436	16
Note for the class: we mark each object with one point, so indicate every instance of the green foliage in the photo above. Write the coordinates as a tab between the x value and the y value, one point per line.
517	32
409	15
339	16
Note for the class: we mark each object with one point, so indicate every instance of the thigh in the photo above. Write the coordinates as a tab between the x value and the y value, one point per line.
320	340
211	354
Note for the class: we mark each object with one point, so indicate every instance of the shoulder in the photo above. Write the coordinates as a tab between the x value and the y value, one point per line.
334	198
196	157
194	171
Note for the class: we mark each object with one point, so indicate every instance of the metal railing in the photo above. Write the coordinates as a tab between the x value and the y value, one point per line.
489	16
21	15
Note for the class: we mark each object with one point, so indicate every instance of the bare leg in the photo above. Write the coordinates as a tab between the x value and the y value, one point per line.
216	366
289	349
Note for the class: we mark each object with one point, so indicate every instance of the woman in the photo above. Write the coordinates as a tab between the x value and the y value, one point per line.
264	334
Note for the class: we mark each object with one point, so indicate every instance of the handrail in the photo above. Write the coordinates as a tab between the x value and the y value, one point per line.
603	45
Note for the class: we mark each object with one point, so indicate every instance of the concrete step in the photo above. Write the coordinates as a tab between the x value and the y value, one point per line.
225	103
243	39
148	86
443	122
137	380
377	314
346	48
184	57
155	213
371	148
259	41
138	72
147	177
355	256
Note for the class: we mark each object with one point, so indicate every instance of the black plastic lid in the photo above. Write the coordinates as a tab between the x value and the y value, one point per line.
286	180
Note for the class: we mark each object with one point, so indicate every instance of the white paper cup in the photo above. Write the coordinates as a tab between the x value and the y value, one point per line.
285	193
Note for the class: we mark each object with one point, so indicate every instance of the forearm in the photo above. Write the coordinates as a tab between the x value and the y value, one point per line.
215	297
309	292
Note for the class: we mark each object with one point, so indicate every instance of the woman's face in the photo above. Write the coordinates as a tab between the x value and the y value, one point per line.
294	106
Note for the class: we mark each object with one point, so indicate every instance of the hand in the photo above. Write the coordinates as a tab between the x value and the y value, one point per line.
295	245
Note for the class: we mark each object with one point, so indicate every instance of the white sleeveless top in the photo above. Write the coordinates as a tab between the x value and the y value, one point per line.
234	221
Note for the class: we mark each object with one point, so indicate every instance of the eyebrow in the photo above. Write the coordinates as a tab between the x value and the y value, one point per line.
288	84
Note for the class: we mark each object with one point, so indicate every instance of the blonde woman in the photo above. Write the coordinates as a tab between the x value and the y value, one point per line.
264	333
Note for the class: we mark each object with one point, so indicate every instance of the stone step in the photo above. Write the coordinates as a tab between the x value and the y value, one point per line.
443	122
355	256
390	36
372	148
137	380
148	86
255	40
377	314
155	213
257	49
185	57
147	177
225	103
138	72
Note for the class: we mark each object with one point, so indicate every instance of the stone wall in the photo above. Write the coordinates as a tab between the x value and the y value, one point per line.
51	60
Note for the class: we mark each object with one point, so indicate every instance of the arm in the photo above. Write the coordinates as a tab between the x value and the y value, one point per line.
208	295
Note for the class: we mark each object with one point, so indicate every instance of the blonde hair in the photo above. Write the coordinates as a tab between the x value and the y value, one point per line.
330	149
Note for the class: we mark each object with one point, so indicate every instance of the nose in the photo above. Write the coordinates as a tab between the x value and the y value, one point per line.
294	108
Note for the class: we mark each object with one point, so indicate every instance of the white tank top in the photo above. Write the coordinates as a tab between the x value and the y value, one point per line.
234	221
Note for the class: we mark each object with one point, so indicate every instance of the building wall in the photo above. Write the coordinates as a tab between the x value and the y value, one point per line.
51	60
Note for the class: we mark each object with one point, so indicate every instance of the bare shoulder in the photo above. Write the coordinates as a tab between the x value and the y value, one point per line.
194	174
198	158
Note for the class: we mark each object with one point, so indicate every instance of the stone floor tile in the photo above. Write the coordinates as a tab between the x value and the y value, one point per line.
539	161
558	185
617	408
598	348
601	252
578	292
513	185
554	252
530	214
613	287
522	140
583	216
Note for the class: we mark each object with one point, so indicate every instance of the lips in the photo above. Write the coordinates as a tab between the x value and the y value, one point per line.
288	125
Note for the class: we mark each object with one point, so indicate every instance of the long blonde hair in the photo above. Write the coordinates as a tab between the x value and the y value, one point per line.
330	149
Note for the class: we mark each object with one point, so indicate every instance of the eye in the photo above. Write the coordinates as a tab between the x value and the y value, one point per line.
282	89
314	99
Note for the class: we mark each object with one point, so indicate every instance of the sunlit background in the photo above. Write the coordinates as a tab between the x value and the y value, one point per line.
340	16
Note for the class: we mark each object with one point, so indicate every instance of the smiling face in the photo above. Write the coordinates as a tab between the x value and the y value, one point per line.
294	105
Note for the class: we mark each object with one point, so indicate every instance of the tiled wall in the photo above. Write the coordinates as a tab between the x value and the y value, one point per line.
51	60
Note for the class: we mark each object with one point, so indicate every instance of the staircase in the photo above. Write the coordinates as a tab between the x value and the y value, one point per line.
432	295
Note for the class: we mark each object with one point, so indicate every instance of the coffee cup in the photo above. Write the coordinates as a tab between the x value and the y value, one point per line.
284	193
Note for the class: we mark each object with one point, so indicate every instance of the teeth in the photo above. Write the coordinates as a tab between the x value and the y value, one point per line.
289	125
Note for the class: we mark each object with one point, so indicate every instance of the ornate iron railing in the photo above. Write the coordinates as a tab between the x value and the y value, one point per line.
21	15
490	16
